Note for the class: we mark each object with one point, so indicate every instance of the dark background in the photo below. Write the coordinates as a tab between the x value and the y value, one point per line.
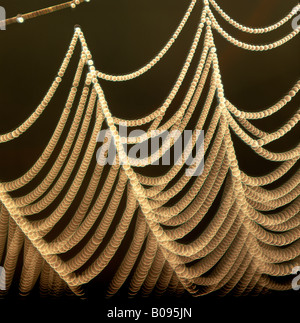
124	35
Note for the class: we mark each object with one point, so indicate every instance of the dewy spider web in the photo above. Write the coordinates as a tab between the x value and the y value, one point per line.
242	248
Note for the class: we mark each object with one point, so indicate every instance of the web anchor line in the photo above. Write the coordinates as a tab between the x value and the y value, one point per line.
21	18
